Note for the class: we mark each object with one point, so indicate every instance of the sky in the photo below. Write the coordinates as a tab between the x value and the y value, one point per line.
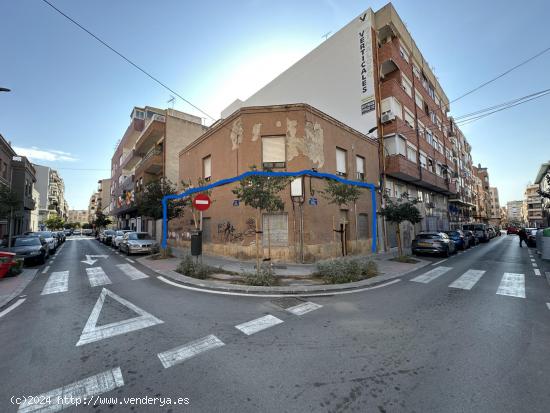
71	97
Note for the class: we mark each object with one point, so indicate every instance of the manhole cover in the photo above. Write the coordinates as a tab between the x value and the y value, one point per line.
287	302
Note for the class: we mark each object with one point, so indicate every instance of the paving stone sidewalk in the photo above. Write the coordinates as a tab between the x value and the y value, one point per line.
11	287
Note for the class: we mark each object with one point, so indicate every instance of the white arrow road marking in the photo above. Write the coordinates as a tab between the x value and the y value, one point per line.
69	395
97	276
431	275
467	280
180	354
512	285
57	283
303	308
537	271
93	333
90	261
131	271
259	324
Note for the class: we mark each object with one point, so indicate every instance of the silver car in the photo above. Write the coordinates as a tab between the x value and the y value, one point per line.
138	242
119	236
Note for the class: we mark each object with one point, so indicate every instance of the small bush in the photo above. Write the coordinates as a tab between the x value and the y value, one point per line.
265	277
405	258
17	268
346	270
188	266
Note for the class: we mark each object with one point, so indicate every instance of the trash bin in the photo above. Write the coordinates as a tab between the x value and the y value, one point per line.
196	243
7	260
545	250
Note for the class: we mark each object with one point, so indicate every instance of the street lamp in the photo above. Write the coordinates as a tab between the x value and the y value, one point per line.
4	89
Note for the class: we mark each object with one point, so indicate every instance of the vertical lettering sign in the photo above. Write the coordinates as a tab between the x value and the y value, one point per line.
366	65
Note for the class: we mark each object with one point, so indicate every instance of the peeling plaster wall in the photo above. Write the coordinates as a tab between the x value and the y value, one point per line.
310	145
256	131
236	134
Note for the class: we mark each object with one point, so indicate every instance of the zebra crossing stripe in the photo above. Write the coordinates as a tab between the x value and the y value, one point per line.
512	285
303	308
467	280
97	276
180	354
537	272
431	275
131	271
57	283
258	324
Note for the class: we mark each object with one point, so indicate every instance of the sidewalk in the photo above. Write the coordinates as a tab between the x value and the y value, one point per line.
11	287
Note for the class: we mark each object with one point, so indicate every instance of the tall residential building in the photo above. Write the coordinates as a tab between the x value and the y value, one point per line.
482	211
93	207
494	205
514	210
51	187
6	155
148	151
22	182
504	217
533	207
79	216
543	181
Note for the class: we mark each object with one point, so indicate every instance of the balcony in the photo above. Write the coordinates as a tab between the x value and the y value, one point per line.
152	162
127	184
400	167
130	160
390	59
152	132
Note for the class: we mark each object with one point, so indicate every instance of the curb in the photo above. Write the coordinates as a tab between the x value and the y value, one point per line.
217	287
4	303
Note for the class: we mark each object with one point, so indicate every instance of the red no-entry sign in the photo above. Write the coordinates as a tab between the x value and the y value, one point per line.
202	202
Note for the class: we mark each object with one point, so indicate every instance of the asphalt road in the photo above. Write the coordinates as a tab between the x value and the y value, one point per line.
469	334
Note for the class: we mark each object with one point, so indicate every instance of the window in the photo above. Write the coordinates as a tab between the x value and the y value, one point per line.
404	53
389	187
411	152
363	226
341	164
418	99
416	71
431	90
139	114
437	100
360	167
395	145
438	169
273	152
429	136
409	118
207	168
421	129
392	105
431	165
438	122
406	85
423	160
432	116
420	195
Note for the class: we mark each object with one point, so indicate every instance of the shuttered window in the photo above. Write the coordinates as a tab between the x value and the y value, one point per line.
275	230
273	152
341	156
363	226
207	167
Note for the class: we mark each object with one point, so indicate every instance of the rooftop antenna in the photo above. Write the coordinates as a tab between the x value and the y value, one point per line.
326	35
171	100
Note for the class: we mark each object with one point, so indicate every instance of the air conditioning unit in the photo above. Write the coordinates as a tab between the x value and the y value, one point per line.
387	117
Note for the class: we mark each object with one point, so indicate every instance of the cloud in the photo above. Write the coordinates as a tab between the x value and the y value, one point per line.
36	154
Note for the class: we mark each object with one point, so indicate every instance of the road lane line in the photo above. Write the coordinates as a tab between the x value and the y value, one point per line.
532	260
548	305
97	276
258	324
67	396
128	259
57	283
303	308
537	271
439	262
534	264
512	285
180	354
131	271
45	270
12	307
431	275
467	280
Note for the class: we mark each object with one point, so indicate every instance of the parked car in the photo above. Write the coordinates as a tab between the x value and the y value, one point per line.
107	236
77	232
471	238
62	236
491	232
457	236
88	232
511	230
29	248
48	236
479	230
531	237
119	235
68	232
433	243
138	242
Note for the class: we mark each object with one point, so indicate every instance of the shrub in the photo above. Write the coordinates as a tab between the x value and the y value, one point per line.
345	270
17	268
188	266
265	277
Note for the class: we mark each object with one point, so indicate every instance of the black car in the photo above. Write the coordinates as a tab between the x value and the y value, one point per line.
531	237
30	249
108	236
470	238
433	243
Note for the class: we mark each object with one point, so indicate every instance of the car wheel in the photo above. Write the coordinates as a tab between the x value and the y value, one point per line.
447	253
42	259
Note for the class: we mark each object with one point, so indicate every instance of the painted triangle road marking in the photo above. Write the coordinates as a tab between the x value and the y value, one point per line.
92	332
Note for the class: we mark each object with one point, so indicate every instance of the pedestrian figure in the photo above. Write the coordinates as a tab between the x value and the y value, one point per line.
522	237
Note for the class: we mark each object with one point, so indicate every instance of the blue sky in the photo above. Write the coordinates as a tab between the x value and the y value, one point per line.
71	97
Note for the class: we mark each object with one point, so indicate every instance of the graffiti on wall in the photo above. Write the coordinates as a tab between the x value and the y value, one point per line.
228	233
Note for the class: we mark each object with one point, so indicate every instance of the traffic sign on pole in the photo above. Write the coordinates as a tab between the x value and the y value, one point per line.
202	202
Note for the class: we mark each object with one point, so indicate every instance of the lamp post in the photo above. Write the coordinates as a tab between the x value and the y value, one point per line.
4	89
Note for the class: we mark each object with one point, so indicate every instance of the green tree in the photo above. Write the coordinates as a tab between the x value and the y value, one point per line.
9	203
341	194
54	223
546	194
262	194
400	210
149	200
101	221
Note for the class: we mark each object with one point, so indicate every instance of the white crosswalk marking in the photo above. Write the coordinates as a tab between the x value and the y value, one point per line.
303	308
57	283
259	324
97	276
512	285
431	275
537	272
131	271
180	354
467	280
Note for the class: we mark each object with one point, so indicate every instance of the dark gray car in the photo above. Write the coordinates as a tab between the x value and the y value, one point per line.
30	249
433	243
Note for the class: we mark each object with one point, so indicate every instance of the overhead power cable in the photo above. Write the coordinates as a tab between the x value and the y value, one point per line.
135	65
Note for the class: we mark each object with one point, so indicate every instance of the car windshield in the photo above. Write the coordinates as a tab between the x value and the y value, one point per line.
109	232
45	234
120	233
453	233
138	235
429	236
21	242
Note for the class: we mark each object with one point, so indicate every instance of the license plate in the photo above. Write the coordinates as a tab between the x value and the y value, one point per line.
424	244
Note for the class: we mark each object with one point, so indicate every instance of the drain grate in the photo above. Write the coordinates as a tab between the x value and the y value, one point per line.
287	302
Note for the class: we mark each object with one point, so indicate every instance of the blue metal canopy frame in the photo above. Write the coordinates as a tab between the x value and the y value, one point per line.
305	172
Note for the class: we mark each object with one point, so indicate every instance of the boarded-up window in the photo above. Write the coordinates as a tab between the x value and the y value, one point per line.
363	226
207	167
273	152
341	155
275	227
